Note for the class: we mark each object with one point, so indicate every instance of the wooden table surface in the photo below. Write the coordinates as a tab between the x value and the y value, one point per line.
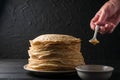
12	69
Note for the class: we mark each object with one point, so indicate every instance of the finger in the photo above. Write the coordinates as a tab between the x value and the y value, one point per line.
96	17
93	21
102	29
111	30
107	28
112	27
92	25
102	18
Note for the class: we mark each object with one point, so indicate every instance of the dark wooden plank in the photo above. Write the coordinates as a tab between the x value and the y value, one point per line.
32	77
12	69
12	65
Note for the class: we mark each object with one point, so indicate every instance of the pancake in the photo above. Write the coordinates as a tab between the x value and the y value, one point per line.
55	52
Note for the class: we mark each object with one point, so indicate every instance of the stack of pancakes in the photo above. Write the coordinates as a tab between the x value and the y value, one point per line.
54	52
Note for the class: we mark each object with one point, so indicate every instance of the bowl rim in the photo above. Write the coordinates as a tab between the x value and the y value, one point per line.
78	68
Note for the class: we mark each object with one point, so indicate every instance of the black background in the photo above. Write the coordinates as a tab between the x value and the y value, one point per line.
23	20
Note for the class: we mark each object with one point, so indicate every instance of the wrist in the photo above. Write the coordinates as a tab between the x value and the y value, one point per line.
116	5
115	2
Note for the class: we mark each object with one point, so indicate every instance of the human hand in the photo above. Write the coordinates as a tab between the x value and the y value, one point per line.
108	17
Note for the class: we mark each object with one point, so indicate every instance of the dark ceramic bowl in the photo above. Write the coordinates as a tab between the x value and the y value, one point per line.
94	72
